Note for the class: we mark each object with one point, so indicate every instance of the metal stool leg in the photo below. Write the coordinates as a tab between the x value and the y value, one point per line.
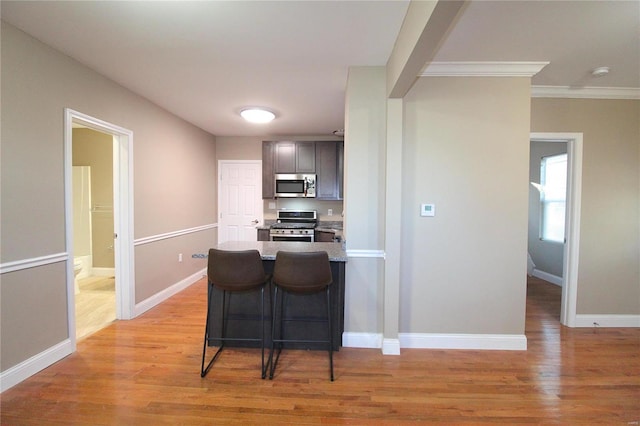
264	370
204	370
273	333
330	332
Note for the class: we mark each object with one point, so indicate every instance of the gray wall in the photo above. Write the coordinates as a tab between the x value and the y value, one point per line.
547	255
174	171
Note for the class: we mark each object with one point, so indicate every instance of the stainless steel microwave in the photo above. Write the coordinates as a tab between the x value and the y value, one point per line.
295	185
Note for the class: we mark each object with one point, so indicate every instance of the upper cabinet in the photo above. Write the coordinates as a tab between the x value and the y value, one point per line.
295	157
329	167
325	159
268	170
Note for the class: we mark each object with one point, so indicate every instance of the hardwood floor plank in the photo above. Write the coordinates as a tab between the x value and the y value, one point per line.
146	372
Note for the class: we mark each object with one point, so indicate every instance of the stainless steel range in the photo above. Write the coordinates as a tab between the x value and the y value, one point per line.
294	225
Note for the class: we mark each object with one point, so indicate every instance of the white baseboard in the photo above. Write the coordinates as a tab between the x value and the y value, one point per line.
160	297
512	342
553	279
434	341
390	346
362	340
607	320
36	363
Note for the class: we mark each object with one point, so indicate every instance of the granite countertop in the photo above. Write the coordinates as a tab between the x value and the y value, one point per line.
268	249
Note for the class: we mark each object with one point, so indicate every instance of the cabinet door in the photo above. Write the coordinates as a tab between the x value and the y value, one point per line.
285	157
268	190
326	169
305	157
263	235
324	236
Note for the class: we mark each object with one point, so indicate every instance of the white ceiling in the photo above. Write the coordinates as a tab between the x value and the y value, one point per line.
206	60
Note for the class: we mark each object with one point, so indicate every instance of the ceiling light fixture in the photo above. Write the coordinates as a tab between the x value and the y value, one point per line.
257	115
600	71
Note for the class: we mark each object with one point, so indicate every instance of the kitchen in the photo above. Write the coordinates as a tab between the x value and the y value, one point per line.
328	169
294	175
302	186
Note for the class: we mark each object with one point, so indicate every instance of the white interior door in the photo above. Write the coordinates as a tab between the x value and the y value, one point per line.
239	200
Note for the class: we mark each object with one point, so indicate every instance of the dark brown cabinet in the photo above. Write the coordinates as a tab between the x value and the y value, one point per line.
295	157
324	236
306	157
268	170
263	235
329	167
285	157
324	159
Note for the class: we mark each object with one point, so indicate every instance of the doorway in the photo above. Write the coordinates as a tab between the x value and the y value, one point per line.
93	229
240	205
120	234
572	220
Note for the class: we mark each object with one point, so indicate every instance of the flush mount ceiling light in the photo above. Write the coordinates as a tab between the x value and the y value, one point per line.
257	115
600	72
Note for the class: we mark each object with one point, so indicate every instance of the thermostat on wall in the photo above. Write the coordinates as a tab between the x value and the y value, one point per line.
427	210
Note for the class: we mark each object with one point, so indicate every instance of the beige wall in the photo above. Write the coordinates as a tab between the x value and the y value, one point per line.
239	147
466	149
608	274
174	181
364	177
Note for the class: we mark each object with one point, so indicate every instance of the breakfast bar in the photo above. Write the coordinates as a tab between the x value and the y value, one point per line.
244	308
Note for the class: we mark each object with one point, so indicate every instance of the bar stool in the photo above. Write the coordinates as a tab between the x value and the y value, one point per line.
233	272
301	274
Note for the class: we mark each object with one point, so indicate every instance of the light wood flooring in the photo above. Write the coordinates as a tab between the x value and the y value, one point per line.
146	372
95	305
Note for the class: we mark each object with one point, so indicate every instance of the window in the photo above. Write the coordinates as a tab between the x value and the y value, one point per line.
553	197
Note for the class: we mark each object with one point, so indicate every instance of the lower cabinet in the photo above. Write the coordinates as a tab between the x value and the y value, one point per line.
263	235
324	236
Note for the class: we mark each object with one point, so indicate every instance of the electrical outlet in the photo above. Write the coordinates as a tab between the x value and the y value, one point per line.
179	257
330	212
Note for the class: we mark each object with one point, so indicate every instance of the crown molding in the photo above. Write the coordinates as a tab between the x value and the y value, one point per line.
482	69
585	92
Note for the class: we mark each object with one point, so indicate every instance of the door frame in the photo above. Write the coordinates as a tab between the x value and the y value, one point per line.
220	165
572	221
122	213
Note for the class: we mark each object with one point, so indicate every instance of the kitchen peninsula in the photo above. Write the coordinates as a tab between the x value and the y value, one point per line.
246	308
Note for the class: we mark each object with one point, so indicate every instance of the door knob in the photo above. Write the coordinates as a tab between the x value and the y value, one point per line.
255	222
